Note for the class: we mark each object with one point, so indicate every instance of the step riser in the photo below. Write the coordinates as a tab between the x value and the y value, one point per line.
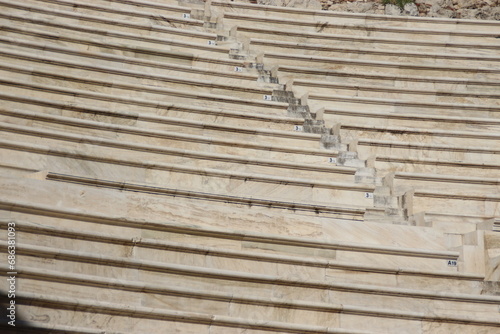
415	123
404	107
186	304
236	186
261	153
352	41
42	10
138	78
385	167
467	207
318	27
140	48
353	18
120	114
233	309
256	47
126	63
320	272
264	290
199	99
139	325
414	82
366	151
123	12
115	128
460	187
201	162
453	141
388	94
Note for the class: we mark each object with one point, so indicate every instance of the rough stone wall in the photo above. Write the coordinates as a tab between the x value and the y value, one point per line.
460	9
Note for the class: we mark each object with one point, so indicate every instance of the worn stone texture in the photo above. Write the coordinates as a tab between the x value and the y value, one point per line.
460	9
230	167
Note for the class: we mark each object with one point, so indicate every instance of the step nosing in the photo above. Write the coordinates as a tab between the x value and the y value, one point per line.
363	39
147	116
121	58
381	76
362	27
224	234
381	63
245	277
45	149
53	61
97	141
135	286
185	93
417	117
334	48
364	16
28	227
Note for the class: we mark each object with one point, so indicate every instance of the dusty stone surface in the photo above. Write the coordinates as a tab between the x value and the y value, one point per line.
150	185
460	9
310	4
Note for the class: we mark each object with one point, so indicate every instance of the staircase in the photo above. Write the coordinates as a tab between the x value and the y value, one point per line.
226	167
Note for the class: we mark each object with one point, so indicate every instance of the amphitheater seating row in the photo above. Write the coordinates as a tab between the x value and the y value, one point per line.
166	168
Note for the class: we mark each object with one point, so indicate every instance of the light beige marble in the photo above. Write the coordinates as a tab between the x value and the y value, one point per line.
162	182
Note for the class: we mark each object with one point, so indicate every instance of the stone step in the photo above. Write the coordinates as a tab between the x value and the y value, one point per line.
316	231
161	298
29	327
413	120
416	81
22	48
72	35
244	28
166	6
310	152
114	167
452	305
116	318
348	18
42	66
384	104
473	154
156	126
457	184
435	94
291	258
126	111
258	45
135	11
397	163
448	195
352	131
330	268
402	156
414	34
89	13
453	203
154	153
137	90
380	67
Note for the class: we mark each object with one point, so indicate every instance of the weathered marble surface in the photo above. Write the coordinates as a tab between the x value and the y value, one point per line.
161	181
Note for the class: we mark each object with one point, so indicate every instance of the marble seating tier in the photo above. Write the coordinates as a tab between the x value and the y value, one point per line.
224	167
